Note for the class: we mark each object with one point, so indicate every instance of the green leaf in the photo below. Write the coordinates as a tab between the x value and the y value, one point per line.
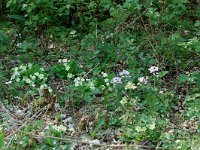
162	74
3	37
1	140
16	17
100	123
182	78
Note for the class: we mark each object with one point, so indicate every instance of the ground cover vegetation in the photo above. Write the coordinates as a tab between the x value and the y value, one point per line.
100	74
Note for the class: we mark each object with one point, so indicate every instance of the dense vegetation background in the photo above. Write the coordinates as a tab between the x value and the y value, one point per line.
97	74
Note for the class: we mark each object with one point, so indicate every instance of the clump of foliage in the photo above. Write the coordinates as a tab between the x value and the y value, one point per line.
138	60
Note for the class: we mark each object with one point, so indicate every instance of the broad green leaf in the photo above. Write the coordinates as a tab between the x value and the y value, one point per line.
182	78
16	17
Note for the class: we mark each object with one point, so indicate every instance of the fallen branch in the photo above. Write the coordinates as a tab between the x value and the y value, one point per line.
38	113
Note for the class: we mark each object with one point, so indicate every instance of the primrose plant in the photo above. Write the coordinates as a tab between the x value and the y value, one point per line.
67	69
31	75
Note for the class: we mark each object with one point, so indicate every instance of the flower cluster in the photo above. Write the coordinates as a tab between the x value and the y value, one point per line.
87	82
24	74
106	80
79	81
59	128
124	73
18	75
130	86
153	69
116	80
140	129
104	74
143	80
143	129
65	63
124	100
19	70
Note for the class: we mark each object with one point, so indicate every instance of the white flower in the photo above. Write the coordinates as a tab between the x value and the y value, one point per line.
42	69
91	85
41	133
178	141
32	77
124	73
28	81
140	129
19	44
65	60
21	142
152	126
161	92
104	74
106	80
116	80
9	82
40	76
30	65
70	75
153	69
78	81
54	142
36	73
107	84
73	32
124	100
50	90
130	86
43	86
16	73
87	80
22	67
51	46
62	128
83	80
18	79
143	80
67	67
15	69
94	142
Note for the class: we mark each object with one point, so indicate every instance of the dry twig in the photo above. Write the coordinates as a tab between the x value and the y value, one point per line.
96	144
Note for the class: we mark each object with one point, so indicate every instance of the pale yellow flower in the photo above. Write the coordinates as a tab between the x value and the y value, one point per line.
130	86
140	129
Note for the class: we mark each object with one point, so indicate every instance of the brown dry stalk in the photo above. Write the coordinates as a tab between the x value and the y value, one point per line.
95	144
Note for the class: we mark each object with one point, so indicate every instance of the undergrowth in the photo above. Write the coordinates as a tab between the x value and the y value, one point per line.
100	73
